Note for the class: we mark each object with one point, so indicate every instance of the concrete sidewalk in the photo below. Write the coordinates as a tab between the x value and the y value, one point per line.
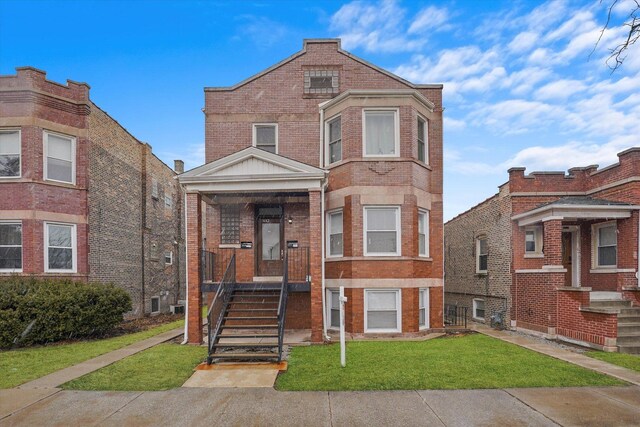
601	406
619	372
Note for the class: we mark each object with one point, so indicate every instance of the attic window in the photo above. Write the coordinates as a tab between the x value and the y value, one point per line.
321	81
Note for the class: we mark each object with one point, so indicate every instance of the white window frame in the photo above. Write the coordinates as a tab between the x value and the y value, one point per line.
398	310
328	236
170	253
328	142
74	248
12	130
168	201
45	139
478	239
254	138
151	305
475	307
537	238
426	218
423	299
15	222
398	231
331	291
426	139
396	124
595	243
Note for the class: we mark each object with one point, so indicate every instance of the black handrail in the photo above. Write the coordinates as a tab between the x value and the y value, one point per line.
282	303
219	302
455	315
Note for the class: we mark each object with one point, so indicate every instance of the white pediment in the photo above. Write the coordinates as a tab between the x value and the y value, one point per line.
250	165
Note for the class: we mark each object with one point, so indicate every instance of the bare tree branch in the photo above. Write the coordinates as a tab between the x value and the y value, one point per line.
619	53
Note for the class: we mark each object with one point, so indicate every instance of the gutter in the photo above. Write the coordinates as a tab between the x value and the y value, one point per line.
186	275
322	227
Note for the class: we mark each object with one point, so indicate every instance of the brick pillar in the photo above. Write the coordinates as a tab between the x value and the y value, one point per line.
552	245
194	243
315	257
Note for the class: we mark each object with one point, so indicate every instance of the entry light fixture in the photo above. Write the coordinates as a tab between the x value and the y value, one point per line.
290	219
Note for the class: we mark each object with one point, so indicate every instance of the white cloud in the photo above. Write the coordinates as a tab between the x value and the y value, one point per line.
515	116
262	31
560	89
523	41
451	124
430	18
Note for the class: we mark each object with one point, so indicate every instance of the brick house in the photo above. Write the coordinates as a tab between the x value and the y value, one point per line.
322	171
558	252
81	197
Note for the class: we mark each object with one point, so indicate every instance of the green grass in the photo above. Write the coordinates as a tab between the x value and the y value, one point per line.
20	366
630	361
162	367
466	362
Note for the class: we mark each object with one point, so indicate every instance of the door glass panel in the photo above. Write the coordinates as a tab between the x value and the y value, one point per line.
270	241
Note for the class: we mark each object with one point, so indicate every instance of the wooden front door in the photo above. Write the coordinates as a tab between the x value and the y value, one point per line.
269	253
567	262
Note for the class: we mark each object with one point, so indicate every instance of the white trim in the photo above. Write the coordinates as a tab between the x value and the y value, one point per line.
328	233
170	257
548	269
595	244
74	248
561	212
14	270
11	130
475	307
45	150
328	292
485	238
426	308
537	241
426	138
398	231
327	142
427	218
380	93
254	139
611	270
398	310
396	131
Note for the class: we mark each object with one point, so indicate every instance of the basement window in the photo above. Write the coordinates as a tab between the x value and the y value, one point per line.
333	308
478	309
423	309
155	304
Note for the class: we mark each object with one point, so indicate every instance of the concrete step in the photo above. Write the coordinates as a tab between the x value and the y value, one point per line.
630	310
629	349
629	328
615	303
628	339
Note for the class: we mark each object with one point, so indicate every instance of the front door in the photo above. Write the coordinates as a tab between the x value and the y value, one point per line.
269	253
567	261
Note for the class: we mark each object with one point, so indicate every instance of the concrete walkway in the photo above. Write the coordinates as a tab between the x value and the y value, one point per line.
593	406
619	372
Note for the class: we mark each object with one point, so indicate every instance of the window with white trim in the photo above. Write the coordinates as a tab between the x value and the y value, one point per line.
423	140
482	255
10	154
478	309
533	240
60	155
334	234
381	133
423	233
334	139
60	247
10	246
382	230
333	308
265	137
168	201
382	310
168	257
423	309
606	244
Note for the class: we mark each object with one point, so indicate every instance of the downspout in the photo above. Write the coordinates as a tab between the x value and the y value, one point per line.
186	273
638	250
322	230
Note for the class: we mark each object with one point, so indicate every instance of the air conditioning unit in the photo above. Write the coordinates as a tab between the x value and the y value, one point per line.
176	309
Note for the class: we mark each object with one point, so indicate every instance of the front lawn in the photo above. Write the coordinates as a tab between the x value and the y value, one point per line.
629	361
22	365
466	362
162	367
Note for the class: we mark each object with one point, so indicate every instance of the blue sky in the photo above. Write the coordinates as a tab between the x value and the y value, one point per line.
522	86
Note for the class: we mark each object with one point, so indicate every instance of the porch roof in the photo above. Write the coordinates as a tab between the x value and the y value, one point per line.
253	170
572	208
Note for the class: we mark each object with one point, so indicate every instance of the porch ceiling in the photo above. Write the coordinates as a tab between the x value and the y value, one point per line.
573	208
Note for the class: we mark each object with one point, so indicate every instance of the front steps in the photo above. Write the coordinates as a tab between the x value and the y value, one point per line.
628	336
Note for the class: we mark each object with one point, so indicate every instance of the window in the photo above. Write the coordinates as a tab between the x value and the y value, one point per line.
168	201
334	138
382	310
9	154
333	306
155	304
423	309
321	81
478	309
423	144
606	244
382	230
533	240
481	255
60	251
423	233
168	257
381	133
60	154
265	137
154	188
334	233
229	224
11	246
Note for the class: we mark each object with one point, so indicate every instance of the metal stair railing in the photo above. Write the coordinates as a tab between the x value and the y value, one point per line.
282	304
219	305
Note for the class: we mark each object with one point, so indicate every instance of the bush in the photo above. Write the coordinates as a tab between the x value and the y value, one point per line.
39	311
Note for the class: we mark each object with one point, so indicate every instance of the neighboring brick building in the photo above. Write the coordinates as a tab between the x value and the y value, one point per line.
573	241
80	197
341	162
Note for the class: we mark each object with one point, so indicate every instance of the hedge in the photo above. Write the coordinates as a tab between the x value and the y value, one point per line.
39	311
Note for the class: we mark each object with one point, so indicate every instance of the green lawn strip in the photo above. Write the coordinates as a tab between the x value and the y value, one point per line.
162	367
468	362
629	361
22	365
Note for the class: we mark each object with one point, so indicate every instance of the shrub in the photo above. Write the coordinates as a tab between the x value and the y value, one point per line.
38	311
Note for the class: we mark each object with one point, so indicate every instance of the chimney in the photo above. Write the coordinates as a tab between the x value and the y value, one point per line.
178	166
